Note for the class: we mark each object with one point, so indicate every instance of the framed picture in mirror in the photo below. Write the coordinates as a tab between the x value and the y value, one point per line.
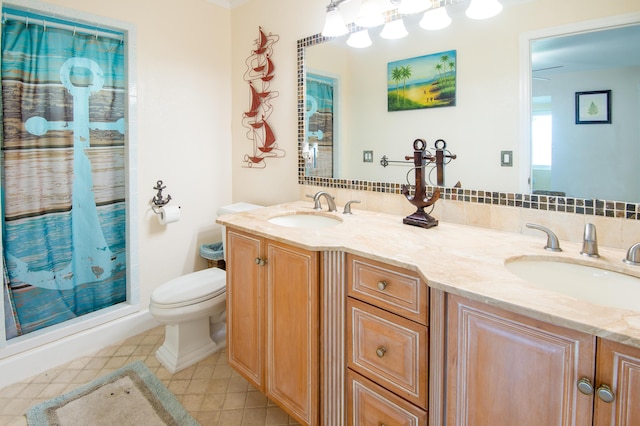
423	82
593	107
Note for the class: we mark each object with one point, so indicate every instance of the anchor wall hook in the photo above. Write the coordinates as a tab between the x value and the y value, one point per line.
158	200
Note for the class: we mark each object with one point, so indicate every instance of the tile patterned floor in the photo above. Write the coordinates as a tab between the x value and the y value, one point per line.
212	392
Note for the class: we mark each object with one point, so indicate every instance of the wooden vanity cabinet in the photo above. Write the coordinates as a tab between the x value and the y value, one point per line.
273	321
508	369
387	344
618	368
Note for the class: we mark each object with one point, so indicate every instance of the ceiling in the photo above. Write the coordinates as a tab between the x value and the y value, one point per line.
611	48
229	4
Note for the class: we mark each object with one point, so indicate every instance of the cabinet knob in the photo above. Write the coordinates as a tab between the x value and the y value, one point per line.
381	351
382	285
585	386
260	261
605	393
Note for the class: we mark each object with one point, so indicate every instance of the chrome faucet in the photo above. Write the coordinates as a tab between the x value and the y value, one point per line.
552	239
590	241
330	202
633	255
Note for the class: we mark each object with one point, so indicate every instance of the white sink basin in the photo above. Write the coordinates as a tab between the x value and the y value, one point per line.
305	220
583	282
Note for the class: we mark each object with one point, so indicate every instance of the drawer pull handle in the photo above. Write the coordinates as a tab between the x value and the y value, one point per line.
605	393
382	285
260	262
585	386
381	351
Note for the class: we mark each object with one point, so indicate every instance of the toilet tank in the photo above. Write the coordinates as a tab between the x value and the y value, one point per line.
233	208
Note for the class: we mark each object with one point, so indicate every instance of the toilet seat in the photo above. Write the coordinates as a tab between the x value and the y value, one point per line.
190	289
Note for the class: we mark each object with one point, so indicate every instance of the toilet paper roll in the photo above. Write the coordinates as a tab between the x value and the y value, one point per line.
169	214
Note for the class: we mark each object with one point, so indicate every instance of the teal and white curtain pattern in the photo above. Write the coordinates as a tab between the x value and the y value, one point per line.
319	122
63	173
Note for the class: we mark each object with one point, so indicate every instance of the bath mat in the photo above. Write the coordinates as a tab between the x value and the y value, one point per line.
131	395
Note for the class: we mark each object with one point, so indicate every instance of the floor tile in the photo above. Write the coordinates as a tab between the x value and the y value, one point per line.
211	391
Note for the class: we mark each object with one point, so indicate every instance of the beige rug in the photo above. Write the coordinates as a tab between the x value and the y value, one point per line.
132	395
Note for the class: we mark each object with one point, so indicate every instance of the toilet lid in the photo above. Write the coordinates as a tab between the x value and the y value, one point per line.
191	288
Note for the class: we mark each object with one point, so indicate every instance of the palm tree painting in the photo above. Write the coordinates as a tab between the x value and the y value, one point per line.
422	82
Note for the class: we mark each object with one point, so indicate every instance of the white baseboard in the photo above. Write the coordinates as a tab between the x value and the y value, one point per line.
23	365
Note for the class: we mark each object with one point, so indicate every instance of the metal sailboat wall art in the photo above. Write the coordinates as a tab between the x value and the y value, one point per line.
259	73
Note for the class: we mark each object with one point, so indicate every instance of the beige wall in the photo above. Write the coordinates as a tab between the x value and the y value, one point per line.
291	20
295	19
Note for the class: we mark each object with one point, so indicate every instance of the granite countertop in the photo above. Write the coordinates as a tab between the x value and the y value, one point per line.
458	259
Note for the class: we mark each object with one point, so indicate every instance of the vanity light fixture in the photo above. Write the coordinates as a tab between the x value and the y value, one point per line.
359	39
373	13
409	7
370	14
483	9
393	30
334	25
436	18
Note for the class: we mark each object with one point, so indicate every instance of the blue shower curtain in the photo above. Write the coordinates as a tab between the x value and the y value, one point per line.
319	122
63	173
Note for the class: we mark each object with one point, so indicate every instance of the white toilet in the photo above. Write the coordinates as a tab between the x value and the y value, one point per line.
193	309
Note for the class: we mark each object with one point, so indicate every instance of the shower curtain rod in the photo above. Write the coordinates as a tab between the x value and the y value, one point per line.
54	23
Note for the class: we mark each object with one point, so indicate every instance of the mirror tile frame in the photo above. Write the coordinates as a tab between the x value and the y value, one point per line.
593	207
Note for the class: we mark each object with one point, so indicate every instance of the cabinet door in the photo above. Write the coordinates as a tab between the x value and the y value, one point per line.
619	369
245	306
293	377
508	369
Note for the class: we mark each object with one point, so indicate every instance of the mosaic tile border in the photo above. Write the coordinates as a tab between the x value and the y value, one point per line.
614	209
594	207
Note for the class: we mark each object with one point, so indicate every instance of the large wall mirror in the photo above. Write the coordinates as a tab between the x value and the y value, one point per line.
531	94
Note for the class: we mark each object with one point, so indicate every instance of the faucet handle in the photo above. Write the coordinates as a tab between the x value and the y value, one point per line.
552	239
347	207
633	255
316	202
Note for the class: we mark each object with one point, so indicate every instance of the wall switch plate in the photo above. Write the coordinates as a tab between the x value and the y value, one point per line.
506	158
367	156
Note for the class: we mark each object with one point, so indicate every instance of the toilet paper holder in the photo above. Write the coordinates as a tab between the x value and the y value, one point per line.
158	200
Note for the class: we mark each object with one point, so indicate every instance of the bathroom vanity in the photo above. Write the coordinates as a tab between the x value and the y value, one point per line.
273	322
365	320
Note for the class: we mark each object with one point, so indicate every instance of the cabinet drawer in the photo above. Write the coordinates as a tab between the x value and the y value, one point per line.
388	287
372	405
388	349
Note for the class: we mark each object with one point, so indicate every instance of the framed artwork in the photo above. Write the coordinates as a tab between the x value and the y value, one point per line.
593	107
422	82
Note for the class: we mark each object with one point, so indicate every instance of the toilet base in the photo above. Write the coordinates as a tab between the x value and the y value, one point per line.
187	343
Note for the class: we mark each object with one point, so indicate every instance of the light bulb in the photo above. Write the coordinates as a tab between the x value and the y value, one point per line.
394	30
435	19
334	25
408	7
483	9
370	14
359	39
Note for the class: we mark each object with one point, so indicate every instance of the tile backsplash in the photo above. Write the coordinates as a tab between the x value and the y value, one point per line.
616	222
